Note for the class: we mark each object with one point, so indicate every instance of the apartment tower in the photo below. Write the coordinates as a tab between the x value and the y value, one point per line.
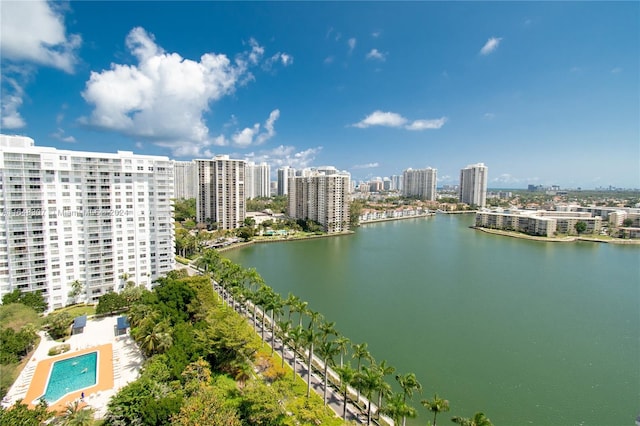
473	185
221	192
284	173
99	218
420	183
322	196
256	180
184	179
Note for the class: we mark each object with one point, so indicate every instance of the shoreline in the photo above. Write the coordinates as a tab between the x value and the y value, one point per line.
284	240
569	239
397	218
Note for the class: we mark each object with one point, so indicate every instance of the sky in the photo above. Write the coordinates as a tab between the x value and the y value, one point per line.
543	93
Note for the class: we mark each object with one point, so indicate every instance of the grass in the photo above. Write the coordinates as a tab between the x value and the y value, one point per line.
78	310
17	315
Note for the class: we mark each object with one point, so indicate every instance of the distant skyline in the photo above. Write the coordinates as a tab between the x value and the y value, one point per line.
543	93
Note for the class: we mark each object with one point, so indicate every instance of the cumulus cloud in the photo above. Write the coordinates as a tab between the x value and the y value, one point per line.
285	156
616	70
489	116
283	58
60	135
253	136
366	166
164	96
375	54
380	118
12	99
392	119
34	31
491	45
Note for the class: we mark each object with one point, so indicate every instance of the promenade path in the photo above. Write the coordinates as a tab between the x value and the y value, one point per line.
335	399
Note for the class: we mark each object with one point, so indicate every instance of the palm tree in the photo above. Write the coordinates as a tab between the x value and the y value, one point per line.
76	415
397	409
342	344
327	351
284	328
409	383
360	351
479	419
276	303
384	389
347	375
158	340
313	318
300	308
297	337
436	405
327	329
369	380
310	338
291	301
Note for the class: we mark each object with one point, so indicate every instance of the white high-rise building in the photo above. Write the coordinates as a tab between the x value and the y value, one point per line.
221	192
473	185
397	183
284	173
185	179
420	183
256	180
99	218
322	196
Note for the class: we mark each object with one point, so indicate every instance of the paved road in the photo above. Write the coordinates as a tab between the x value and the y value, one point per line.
334	396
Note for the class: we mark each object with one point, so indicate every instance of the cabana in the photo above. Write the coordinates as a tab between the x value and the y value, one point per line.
122	325
79	323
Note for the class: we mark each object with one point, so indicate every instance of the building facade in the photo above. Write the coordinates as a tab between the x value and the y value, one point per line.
539	222
99	218
184	179
257	179
322	196
221	192
473	185
420	183
284	173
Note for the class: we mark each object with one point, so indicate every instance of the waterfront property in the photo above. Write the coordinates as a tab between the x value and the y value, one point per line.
538	222
86	216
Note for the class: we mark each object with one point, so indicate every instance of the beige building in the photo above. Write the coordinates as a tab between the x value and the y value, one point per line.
221	192
322	196
539	222
420	183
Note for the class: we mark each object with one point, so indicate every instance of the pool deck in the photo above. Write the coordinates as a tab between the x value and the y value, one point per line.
119	362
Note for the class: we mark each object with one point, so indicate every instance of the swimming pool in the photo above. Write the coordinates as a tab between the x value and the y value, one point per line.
71	374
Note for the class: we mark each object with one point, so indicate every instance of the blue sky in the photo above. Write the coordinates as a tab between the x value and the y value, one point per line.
542	93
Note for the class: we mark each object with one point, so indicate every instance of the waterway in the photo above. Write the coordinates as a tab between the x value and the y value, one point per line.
531	333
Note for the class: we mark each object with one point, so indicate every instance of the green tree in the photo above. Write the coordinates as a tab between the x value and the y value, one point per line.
398	409
409	384
342	344
110	303
347	377
627	222
369	380
76	415
436	405
310	339
327	351
245	232
260	405
479	419
76	290
384	389
58	324
184	209
20	415
360	352
580	226
33	299
206	407
297	336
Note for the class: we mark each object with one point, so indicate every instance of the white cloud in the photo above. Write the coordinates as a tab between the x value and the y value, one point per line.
489	116
60	135
616	70
491	45
392	119
435	123
285	156
164	96
352	44
366	166
284	58
34	31
380	118
377	55
328	60
507	178
376	34
12	95
252	135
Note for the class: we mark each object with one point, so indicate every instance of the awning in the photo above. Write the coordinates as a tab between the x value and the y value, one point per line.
123	323
80	322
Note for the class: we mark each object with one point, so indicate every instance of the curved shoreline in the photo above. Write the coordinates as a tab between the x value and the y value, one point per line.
283	240
396	218
569	239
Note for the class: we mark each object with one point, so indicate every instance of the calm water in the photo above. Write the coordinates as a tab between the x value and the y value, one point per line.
528	332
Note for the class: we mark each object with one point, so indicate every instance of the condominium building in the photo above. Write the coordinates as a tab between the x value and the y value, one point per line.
256	180
539	222
284	173
322	196
420	183
185	179
473	185
99	218
221	192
